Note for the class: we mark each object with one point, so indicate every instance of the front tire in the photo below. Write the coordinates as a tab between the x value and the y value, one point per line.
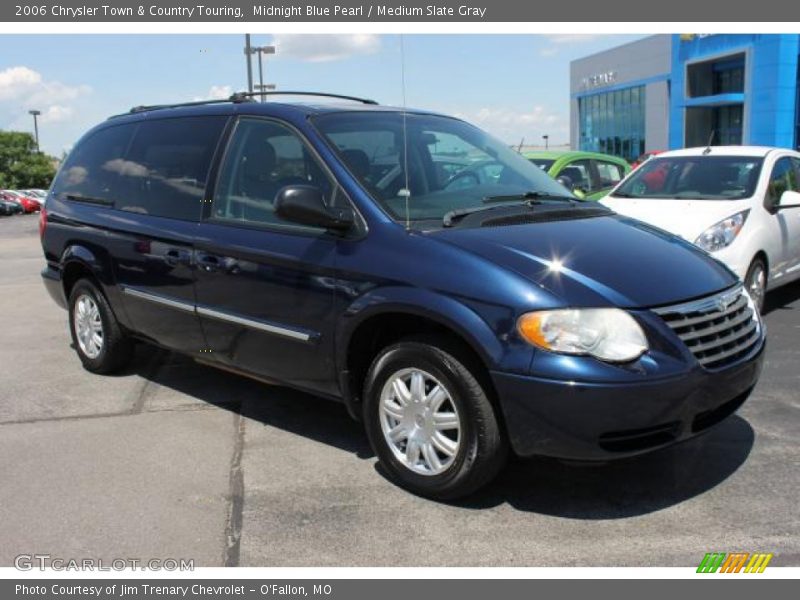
99	341
755	282
430	421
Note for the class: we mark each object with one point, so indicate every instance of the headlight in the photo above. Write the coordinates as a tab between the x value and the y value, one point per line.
609	334
721	235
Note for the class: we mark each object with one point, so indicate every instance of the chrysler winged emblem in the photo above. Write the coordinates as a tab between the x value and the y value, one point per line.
723	302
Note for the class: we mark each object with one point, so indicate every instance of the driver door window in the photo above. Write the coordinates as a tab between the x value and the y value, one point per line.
262	158
783	178
579	175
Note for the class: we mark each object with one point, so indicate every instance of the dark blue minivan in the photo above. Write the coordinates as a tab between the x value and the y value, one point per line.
454	297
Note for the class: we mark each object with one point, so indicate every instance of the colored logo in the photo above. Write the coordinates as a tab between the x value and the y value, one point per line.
734	562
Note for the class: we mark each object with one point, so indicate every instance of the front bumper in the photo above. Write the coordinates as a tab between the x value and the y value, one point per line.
601	421
735	258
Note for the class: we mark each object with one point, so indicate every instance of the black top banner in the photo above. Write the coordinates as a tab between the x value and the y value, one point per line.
410	10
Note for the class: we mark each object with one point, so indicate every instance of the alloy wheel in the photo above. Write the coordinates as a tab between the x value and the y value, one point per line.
420	421
88	326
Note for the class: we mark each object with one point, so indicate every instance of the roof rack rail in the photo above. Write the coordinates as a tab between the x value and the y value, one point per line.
234	98
243	95
240	97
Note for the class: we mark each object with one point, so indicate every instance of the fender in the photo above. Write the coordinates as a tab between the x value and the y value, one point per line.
93	261
424	303
442	309
81	254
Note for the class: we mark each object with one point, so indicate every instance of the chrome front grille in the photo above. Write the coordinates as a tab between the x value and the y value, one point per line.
719	329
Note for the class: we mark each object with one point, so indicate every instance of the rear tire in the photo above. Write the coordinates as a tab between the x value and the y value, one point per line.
99	341
755	282
430	421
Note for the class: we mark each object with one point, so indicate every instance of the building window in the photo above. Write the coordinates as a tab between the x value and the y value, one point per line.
719	76
729	80
797	110
613	122
729	125
714	125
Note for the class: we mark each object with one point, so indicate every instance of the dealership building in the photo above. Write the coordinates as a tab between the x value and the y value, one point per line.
674	91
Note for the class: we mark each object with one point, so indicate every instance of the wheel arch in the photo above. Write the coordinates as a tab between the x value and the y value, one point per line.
79	261
762	254
375	326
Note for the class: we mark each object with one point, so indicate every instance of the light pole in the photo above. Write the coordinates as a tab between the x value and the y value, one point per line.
248	52
546	139
261	51
35	114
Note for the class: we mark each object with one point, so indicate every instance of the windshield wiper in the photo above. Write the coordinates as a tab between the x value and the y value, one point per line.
622	195
448	220
531	197
90	199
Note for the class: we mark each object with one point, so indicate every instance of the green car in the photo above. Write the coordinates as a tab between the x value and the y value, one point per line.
589	175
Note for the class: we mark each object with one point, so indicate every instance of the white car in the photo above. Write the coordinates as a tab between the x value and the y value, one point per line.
739	203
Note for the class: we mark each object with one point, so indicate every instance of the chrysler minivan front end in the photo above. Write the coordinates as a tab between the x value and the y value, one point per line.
608	383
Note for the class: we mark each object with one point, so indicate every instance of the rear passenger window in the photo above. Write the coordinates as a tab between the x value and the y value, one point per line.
164	174
610	174
90	171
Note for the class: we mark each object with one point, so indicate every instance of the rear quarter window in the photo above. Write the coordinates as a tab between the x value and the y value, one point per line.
88	171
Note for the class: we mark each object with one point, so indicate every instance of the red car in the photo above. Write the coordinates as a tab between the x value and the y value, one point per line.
28	204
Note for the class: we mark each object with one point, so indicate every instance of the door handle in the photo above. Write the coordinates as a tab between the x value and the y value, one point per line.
208	262
174	257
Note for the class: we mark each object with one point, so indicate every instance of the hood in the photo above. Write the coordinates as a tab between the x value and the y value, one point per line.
599	261
685	218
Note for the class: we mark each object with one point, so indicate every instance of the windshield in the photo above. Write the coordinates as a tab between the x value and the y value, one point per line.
696	177
447	164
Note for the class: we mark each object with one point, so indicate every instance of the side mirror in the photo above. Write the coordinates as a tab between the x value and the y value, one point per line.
304	204
789	199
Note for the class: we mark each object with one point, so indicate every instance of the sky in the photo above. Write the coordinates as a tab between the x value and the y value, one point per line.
513	86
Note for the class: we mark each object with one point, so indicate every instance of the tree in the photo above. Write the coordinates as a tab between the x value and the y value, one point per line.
21	166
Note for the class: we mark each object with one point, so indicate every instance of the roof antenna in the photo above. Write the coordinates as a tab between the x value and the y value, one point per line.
406	191
710	139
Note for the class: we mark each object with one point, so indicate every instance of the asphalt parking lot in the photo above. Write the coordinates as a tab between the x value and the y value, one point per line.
176	460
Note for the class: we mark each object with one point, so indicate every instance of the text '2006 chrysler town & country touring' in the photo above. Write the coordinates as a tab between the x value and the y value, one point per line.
456	299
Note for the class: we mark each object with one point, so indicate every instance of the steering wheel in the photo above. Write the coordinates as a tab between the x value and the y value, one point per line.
471	173
466	175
